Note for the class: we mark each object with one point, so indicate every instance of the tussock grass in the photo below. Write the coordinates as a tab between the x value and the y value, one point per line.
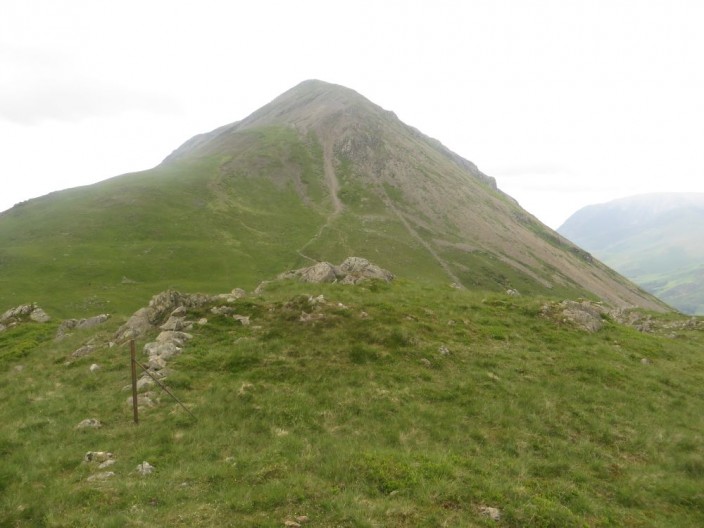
402	405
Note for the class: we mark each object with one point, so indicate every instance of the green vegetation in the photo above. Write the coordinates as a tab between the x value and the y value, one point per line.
397	405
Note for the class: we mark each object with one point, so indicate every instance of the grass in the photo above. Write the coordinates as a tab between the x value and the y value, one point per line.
402	405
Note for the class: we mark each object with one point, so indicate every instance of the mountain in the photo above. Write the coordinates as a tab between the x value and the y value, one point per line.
656	240
320	173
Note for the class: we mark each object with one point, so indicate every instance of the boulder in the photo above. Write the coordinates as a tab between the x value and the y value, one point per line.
357	269
317	273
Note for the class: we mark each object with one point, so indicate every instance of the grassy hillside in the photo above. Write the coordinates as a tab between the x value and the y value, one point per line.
395	405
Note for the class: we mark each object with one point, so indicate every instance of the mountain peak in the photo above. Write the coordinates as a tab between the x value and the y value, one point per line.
317	174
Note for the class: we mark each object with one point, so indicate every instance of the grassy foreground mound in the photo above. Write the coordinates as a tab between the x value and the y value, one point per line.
381	405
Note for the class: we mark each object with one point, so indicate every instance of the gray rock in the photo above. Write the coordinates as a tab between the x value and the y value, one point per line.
491	512
221	310
357	269
103	475
89	423
39	316
94	367
164	350
585	315
145	382
70	324
238	293
85	350
97	456
171	336
175	323
244	319
317	273
156	363
137	325
352	271
20	311
145	468
161	306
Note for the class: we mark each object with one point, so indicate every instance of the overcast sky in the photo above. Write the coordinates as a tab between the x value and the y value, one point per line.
565	102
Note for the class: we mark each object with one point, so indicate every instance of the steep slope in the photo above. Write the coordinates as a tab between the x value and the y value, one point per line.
656	240
320	173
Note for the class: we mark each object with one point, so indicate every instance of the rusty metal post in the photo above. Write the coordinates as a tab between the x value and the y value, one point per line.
133	362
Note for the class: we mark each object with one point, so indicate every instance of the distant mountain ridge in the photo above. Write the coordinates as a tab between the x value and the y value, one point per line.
318	174
656	240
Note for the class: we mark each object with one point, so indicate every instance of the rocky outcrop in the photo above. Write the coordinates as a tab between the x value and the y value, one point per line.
79	324
352	271
22	314
584	315
161	306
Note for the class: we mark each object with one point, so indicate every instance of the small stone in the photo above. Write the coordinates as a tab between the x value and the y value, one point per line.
175	323
444	351
320	299
425	362
291	524
104	475
645	361
156	363
302	519
144	382
107	463
85	350
97	456
493	513
89	423
238	293
94	368
202	321
180	311
244	319
221	310
145	468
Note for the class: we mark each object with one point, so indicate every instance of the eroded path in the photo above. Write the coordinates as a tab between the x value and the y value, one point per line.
333	185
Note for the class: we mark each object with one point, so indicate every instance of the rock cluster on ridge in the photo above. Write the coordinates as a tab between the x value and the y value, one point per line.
352	271
23	313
